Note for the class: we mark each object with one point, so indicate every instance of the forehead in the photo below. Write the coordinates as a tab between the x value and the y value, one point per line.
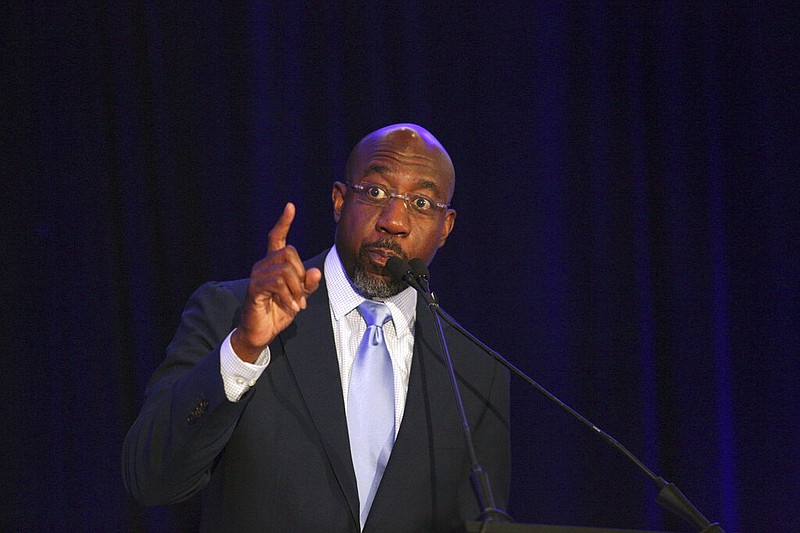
403	157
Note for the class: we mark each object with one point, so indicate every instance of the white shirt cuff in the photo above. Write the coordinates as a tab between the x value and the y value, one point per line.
238	376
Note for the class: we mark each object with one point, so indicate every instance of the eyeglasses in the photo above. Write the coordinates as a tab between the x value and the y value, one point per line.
379	196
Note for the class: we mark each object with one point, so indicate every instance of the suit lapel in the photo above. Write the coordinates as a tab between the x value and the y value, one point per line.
310	351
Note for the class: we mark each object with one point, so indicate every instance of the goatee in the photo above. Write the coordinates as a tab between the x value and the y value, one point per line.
370	286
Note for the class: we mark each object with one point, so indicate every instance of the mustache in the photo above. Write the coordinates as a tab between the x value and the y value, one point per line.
384	244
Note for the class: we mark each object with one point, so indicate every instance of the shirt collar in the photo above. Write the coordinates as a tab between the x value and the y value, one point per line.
344	298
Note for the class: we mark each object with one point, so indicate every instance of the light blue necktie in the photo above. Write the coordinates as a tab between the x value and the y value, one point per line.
370	405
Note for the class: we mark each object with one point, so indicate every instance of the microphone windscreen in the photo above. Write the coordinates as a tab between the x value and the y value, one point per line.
397	267
418	268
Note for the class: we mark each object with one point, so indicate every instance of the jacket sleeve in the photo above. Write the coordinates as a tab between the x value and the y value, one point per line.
186	420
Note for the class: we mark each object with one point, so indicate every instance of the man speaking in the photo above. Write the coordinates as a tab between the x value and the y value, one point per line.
313	396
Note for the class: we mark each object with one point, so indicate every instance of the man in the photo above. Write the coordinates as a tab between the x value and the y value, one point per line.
254	403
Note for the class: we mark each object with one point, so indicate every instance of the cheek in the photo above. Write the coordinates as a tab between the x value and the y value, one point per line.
354	226
426	243
356	220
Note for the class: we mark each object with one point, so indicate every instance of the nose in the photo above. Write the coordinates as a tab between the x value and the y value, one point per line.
394	218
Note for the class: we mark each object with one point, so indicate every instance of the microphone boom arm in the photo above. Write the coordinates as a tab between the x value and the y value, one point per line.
669	496
415	274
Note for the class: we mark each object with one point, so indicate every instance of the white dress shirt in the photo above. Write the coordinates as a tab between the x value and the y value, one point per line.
348	329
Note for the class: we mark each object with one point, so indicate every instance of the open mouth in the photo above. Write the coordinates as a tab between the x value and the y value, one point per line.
379	256
378	253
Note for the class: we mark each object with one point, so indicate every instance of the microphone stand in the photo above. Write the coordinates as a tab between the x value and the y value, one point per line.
669	496
480	481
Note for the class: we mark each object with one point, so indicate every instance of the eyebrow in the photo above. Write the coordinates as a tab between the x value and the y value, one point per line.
426	184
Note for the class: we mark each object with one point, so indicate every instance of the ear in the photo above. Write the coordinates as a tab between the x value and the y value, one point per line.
447	226
337	196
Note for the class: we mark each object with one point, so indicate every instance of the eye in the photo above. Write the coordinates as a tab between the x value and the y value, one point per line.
376	193
421	203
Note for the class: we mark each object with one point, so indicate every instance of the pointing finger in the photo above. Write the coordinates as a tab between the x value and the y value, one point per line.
277	235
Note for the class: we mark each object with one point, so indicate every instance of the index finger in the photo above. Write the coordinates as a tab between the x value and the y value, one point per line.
277	235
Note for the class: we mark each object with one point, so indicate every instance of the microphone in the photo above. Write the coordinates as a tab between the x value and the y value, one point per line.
401	270
420	272
415	274
669	496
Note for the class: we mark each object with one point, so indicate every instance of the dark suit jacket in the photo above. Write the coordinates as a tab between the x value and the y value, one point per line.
279	459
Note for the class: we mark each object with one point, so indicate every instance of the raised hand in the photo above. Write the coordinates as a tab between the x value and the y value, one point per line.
279	284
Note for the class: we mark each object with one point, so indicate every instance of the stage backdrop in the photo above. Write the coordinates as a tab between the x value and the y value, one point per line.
627	226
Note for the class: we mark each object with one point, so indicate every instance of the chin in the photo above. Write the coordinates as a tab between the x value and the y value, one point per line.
373	286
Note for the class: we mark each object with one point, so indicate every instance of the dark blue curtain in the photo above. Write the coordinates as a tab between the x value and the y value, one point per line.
627	226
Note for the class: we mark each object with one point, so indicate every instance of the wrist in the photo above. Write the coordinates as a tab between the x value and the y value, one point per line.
243	348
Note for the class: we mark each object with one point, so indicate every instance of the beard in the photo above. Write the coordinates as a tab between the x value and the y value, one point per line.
370	286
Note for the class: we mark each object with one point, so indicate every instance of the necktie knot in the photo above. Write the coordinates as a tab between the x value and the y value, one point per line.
375	313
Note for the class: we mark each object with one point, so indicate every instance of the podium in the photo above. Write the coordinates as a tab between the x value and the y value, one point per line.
499	527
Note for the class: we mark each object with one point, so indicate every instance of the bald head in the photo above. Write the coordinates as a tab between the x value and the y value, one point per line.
388	169
412	143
